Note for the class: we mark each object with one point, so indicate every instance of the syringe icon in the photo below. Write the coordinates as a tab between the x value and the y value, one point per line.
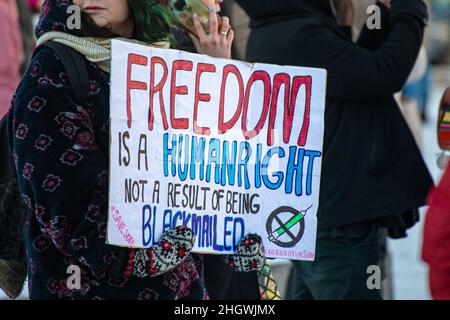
288	225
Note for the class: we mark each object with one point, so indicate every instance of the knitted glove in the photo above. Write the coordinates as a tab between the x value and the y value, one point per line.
249	254
175	246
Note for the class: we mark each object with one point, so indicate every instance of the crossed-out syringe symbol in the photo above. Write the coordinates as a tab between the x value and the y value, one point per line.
275	235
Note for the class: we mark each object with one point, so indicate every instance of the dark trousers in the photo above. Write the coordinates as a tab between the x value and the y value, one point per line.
224	284
339	271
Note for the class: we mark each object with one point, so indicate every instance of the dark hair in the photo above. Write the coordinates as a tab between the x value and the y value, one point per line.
152	22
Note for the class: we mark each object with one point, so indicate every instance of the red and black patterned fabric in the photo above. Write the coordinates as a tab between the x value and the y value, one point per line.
61	152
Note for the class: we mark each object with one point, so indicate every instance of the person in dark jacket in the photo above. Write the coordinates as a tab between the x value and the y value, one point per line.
373	175
61	153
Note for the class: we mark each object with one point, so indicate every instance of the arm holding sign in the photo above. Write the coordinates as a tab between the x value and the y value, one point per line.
62	175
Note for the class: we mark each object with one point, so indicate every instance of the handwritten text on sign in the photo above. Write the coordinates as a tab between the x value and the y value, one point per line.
223	147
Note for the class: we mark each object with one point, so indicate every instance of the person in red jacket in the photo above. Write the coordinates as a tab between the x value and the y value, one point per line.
436	240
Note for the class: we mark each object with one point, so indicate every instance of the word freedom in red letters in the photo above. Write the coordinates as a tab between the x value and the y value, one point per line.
272	88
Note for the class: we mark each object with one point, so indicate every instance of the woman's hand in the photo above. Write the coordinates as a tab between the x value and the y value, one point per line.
173	248
217	43
249	255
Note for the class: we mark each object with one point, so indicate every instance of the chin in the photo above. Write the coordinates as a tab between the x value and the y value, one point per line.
102	22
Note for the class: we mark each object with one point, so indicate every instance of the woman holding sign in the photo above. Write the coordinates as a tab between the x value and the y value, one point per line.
60	144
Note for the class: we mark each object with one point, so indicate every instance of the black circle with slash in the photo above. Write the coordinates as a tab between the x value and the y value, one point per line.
285	227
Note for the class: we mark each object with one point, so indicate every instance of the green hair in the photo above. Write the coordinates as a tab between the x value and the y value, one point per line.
152	22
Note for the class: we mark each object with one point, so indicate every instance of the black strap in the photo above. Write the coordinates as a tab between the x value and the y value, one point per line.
6	160
78	77
76	69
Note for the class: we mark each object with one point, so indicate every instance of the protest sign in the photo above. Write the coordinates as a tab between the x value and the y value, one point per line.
222	146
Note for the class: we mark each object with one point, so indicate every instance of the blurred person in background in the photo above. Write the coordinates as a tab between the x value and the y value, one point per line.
417	88
10	54
436	239
373	175
436	233
26	12
412	101
240	22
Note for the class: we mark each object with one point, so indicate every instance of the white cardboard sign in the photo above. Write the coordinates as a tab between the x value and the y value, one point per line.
222	146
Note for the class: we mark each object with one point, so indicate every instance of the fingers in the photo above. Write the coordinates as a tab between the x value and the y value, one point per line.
198	26
225	27
195	41
226	33
213	22
230	36
219	40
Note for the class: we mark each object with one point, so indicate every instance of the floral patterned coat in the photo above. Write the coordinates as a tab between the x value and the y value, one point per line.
61	151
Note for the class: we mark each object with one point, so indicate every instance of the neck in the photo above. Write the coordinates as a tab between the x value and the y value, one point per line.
126	29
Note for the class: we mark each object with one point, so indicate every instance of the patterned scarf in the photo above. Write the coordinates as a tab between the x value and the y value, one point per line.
97	50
